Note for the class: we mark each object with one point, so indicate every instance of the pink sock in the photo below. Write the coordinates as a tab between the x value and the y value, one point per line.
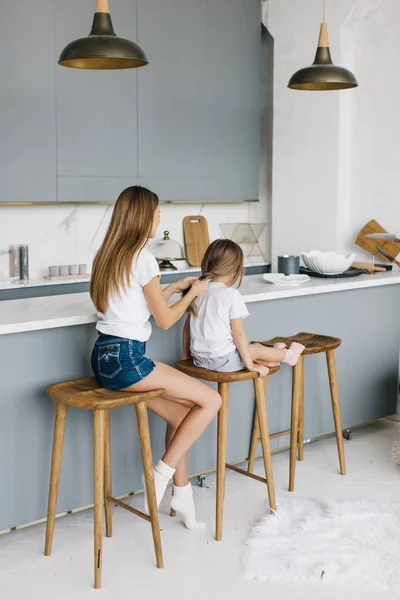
279	346
293	353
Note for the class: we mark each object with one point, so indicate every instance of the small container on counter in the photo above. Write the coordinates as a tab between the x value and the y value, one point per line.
82	269
53	271
64	270
73	269
23	263
289	265
14	262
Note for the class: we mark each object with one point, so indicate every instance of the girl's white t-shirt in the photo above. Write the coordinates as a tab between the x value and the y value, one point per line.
128	313
210	330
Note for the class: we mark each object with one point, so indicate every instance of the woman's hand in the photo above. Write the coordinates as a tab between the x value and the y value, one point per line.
200	288
184	284
260	369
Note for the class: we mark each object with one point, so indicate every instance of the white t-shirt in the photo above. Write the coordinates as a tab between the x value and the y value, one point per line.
128	314
210	331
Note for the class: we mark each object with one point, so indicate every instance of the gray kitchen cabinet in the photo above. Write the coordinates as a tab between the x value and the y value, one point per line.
173	96
199	100
27	115
97	148
187	125
234	82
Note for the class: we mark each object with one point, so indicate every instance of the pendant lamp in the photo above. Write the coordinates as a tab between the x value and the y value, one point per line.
323	74
102	49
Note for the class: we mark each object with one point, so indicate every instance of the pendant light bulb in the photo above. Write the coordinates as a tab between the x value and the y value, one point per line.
102	49
323	75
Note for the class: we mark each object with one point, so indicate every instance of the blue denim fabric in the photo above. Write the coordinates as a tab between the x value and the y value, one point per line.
119	363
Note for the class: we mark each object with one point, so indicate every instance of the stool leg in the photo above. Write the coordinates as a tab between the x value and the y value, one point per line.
223	389
300	439
98	451
254	442
107	473
260	387
294	429
330	359
147	459
58	441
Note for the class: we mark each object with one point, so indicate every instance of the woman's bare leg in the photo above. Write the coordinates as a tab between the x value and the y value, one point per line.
173	414
203	401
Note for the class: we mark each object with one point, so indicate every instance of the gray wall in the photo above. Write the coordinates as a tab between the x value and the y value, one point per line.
187	125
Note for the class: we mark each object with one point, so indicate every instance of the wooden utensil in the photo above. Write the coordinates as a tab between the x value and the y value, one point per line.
368	267
370	245
196	239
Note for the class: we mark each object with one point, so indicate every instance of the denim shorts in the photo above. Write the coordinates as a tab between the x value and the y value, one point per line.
231	363
119	363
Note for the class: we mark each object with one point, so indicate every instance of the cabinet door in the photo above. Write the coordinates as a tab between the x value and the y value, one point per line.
199	100
27	115
173	96
234	47
96	111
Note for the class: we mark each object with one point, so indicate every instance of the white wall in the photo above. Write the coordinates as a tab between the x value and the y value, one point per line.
335	155
71	234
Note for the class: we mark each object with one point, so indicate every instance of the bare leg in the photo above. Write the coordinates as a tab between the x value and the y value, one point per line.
274	356
263	354
173	414
203	401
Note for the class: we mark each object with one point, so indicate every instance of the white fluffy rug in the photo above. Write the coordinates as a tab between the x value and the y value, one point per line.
353	543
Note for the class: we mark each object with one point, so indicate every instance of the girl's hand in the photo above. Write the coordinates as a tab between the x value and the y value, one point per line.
200	288
260	369
184	284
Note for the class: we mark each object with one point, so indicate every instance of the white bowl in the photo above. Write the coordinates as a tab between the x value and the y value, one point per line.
327	263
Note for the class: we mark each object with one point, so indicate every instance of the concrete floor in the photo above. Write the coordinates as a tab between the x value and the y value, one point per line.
195	565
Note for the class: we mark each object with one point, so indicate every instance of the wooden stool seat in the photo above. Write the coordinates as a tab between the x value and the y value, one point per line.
187	366
88	394
224	380
314	344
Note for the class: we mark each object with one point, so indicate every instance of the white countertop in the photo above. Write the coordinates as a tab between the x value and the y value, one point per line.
31	314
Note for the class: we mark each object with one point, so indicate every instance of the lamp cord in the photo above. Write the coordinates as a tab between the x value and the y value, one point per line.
323	10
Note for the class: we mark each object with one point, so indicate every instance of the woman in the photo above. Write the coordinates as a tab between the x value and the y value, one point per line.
125	289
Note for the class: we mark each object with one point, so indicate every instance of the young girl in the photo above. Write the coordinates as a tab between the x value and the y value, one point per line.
125	289
214	334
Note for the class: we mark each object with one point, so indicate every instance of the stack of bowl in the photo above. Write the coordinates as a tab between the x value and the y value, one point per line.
327	263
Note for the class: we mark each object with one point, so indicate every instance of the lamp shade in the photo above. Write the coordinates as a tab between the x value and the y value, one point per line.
323	74
102	49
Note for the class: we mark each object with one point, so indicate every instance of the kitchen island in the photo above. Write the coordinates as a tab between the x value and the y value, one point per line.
49	339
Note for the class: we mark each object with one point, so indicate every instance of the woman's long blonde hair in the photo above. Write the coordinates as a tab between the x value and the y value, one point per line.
131	225
222	257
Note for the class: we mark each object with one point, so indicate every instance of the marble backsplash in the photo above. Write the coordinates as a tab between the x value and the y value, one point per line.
71	234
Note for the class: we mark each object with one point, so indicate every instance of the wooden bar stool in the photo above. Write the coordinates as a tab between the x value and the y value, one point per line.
314	344
88	394
260	385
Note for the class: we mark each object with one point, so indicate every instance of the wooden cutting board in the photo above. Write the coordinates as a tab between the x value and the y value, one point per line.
369	245
196	239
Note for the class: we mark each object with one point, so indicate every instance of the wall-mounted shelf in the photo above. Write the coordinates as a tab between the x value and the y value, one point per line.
108	202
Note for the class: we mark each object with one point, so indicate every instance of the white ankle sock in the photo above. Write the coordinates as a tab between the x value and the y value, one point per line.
182	502
162	475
